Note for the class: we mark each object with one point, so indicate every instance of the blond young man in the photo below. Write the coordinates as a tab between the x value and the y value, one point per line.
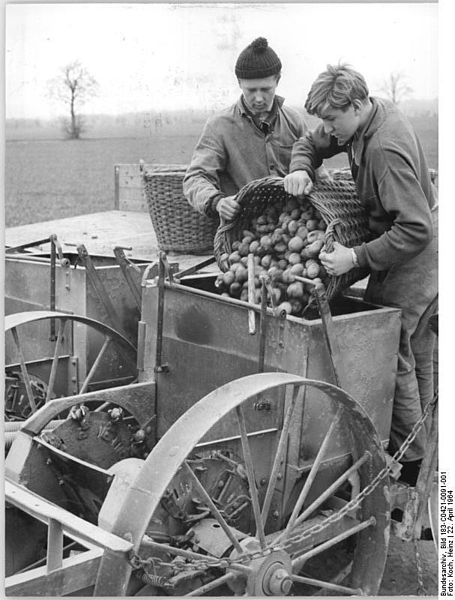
393	182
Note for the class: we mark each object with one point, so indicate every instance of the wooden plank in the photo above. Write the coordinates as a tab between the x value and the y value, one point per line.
43	510
54	545
77	573
129	187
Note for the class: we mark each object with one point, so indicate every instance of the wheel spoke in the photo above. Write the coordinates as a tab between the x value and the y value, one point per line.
331	489
53	374
251	480
212	585
150	543
326	585
298	562
309	481
96	362
25	375
281	448
214	510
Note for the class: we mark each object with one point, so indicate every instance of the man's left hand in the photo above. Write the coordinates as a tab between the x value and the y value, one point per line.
337	262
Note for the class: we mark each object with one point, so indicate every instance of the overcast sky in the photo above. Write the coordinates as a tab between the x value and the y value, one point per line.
148	56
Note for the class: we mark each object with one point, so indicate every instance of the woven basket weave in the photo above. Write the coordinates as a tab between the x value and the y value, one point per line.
178	226
336	201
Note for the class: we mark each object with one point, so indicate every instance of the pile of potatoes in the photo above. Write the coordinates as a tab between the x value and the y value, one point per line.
285	244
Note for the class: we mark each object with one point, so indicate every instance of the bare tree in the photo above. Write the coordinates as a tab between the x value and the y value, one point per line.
395	87
74	86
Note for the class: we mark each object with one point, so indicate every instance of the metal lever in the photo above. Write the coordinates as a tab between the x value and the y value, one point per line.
126	266
56	248
328	331
100	290
163	266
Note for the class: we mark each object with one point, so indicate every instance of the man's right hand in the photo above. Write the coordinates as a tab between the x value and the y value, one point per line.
298	183
228	208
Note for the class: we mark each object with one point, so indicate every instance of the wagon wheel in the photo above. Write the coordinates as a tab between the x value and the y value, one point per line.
26	392
260	558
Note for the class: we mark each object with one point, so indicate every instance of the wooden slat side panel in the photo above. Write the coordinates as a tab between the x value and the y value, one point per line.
77	573
129	187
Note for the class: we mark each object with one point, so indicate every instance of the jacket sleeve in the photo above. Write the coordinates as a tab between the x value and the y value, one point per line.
201	184
404	202
311	149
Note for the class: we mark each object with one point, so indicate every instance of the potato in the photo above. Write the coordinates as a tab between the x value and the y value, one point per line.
241	274
292	227
254	246
284	307
275	273
266	261
287	276
302	232
297	269
312	224
314	235
234	257
266	242
295	244
294	258
280	248
235	289
228	278
295	290
313	270
314	248
243	249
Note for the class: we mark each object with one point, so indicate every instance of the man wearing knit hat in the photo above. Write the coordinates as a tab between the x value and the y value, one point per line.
249	140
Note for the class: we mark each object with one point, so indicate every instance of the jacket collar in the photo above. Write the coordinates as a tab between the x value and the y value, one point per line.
278	102
375	120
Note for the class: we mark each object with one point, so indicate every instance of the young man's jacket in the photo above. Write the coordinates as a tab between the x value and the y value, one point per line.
392	180
232	151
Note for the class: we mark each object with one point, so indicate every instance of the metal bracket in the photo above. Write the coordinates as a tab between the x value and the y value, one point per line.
126	265
161	367
100	290
330	339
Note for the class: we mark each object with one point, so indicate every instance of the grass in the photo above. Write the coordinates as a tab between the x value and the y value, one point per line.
52	179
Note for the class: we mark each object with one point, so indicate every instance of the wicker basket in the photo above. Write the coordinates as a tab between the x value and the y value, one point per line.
336	201
178	226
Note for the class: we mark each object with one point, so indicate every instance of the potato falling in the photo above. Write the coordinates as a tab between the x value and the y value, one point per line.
284	244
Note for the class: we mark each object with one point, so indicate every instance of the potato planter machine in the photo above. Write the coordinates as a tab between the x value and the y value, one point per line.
164	440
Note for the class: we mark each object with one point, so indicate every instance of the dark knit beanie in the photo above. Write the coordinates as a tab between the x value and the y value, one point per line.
257	60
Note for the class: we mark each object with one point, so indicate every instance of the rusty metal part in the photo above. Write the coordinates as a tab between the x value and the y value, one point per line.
12	249
262	326
318	292
206	330
184	435
159	365
251	295
194	268
111	312
126	267
15	321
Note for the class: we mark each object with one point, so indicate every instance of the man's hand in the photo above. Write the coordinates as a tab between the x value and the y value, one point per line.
337	262
228	208
298	183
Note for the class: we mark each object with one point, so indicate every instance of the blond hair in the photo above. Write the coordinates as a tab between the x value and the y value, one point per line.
337	87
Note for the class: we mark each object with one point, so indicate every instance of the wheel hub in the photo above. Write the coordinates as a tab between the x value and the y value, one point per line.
270	571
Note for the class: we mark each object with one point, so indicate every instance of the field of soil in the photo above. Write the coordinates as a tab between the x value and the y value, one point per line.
47	179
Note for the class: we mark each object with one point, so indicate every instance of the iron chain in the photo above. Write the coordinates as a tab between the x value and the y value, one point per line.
332	519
